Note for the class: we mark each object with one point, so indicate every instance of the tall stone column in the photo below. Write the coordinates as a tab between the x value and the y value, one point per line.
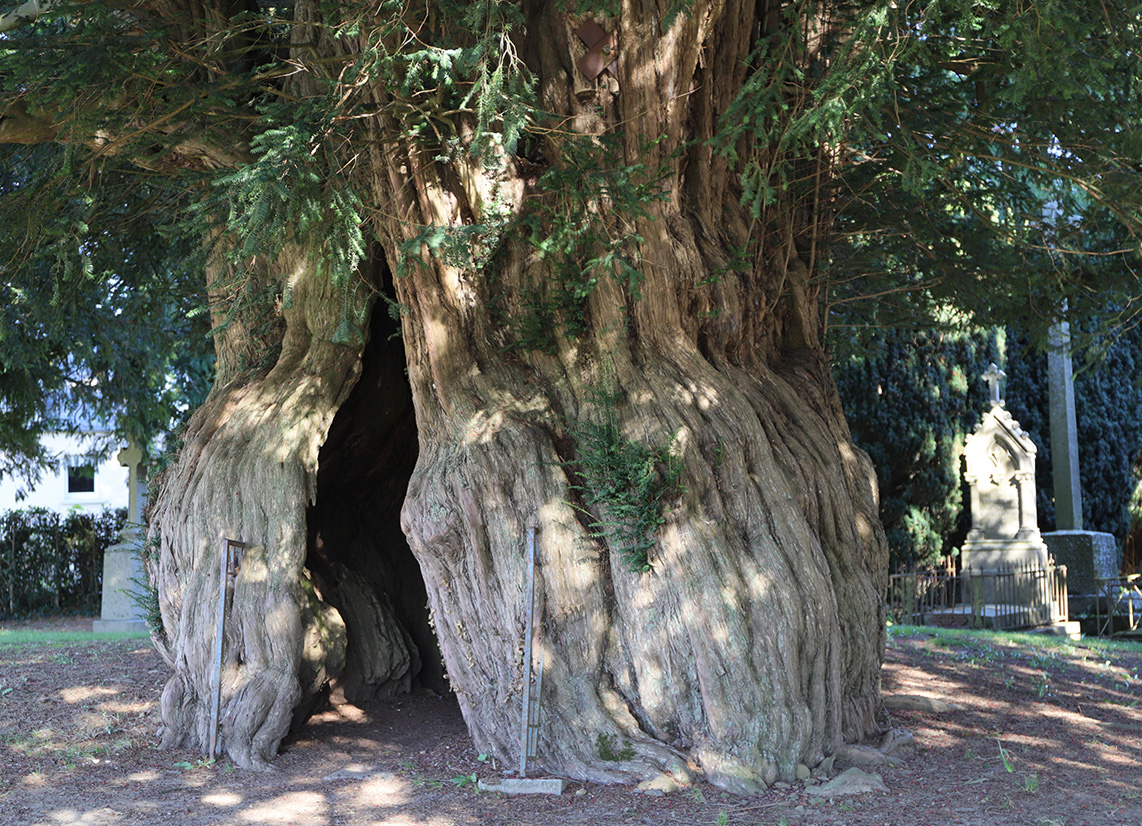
1088	555
1064	431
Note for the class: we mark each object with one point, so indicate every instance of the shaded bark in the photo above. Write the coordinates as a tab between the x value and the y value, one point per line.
247	472
755	642
355	535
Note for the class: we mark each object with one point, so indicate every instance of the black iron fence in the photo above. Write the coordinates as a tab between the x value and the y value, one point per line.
1003	598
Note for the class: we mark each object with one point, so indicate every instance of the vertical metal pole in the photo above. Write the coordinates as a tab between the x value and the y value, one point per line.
216	704
533	723
1098	608
1127	594
529	602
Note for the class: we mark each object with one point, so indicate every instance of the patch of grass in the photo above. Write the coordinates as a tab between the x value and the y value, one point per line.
1004	756
1044	659
1040	644
32	637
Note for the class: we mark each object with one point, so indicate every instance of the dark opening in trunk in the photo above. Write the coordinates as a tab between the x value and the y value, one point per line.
358	556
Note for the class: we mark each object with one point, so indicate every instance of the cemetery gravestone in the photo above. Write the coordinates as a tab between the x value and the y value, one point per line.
1000	460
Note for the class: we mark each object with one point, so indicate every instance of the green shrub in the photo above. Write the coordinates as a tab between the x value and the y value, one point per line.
53	564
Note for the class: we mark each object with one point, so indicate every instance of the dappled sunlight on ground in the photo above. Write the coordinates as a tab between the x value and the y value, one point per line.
79	693
291	808
1041	736
222	799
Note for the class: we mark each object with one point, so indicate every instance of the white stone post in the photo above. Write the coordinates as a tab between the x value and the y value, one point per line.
122	567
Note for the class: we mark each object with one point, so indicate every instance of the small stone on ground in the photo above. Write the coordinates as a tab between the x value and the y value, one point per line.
850	781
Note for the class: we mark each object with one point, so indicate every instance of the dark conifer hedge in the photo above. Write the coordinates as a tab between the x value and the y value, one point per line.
51	564
911	397
1108	405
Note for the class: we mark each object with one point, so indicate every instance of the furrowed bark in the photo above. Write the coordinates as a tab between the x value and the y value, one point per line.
247	473
753	644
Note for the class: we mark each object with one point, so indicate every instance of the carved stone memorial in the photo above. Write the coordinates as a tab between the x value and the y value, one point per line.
1000	460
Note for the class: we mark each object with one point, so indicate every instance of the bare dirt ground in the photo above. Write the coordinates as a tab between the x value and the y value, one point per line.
77	733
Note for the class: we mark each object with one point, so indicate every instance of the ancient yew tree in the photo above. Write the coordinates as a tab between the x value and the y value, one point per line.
481	267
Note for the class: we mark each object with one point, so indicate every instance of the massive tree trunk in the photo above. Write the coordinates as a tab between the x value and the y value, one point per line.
247	472
752	644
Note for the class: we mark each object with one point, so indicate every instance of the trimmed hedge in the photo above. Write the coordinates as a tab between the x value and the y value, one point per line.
52	564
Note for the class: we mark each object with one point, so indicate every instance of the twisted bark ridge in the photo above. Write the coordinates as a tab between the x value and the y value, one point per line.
247	473
754	641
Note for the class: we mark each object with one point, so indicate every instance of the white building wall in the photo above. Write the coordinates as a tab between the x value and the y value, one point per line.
111	481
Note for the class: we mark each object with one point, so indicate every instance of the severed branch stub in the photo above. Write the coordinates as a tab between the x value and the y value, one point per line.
602	50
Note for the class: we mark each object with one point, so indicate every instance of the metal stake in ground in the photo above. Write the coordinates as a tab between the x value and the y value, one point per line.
229	568
529	729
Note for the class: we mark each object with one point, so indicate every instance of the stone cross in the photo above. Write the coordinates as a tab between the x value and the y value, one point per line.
131	457
992	376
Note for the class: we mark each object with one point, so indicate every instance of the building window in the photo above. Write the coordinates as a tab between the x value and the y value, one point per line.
81	478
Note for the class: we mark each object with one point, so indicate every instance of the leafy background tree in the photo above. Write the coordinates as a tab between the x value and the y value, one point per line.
103	315
950	222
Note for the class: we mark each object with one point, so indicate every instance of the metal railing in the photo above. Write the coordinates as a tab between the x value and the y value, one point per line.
1118	605
1003	598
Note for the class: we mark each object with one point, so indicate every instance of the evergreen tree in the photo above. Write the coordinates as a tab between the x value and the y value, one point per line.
611	235
97	308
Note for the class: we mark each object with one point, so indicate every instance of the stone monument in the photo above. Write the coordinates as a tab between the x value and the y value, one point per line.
1000	459
122	567
1087	554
